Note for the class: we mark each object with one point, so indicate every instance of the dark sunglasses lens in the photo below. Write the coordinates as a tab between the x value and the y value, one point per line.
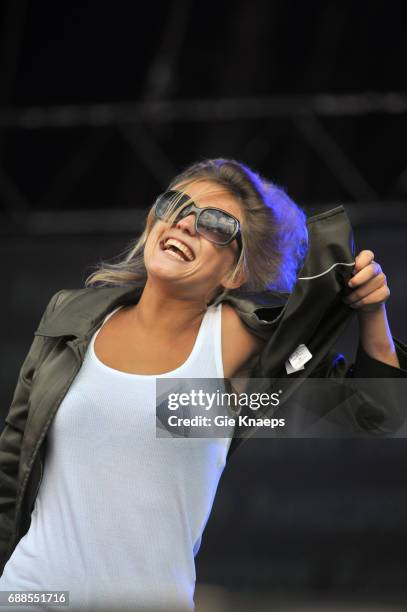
161	206
164	203
216	226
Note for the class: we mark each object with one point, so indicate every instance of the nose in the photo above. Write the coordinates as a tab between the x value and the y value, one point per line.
187	224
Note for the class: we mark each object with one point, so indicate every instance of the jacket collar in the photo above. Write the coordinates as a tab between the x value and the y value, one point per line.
81	311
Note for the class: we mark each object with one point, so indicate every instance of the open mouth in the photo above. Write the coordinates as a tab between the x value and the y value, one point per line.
177	249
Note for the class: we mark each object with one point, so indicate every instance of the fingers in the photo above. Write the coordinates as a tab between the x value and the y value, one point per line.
372	285
369	283
370	270
375	298
363	258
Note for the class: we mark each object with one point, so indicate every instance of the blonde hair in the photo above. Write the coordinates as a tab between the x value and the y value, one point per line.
273	230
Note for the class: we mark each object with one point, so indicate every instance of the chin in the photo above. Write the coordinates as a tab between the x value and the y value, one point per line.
163	270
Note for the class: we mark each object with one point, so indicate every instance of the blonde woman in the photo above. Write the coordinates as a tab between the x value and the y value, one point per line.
91	501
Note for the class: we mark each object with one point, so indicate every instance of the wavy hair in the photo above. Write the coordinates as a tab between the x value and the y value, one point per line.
273	229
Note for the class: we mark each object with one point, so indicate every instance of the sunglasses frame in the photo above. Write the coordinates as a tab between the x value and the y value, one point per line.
193	208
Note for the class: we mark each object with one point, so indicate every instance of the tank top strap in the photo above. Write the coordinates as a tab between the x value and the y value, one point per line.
110	314
211	340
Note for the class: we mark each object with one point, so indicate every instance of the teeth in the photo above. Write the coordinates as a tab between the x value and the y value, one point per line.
175	255
182	247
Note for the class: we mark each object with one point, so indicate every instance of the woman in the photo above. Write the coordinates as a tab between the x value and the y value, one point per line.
119	515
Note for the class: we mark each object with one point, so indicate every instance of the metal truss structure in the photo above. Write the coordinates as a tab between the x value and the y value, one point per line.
139	124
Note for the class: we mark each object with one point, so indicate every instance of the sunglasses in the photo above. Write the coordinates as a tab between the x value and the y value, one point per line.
212	223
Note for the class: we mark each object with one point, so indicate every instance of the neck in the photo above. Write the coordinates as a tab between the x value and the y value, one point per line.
161	313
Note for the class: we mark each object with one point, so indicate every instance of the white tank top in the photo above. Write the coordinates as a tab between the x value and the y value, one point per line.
120	513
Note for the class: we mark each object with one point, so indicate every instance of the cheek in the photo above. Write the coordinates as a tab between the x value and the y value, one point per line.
147	251
218	261
152	241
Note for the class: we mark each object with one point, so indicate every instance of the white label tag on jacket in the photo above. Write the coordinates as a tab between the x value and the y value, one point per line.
290	368
298	358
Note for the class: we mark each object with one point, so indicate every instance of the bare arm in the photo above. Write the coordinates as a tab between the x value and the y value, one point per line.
376	338
240	347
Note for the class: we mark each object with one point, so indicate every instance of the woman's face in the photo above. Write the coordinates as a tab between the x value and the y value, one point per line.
210	264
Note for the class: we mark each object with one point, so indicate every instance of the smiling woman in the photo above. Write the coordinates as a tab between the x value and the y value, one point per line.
219	228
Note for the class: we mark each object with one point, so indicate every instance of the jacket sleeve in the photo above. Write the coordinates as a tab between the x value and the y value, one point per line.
376	405
12	434
367	367
334	365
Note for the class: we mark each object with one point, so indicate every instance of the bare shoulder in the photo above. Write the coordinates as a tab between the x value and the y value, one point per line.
240	346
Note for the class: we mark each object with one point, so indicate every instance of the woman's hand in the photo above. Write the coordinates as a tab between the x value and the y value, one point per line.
369	283
370	292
